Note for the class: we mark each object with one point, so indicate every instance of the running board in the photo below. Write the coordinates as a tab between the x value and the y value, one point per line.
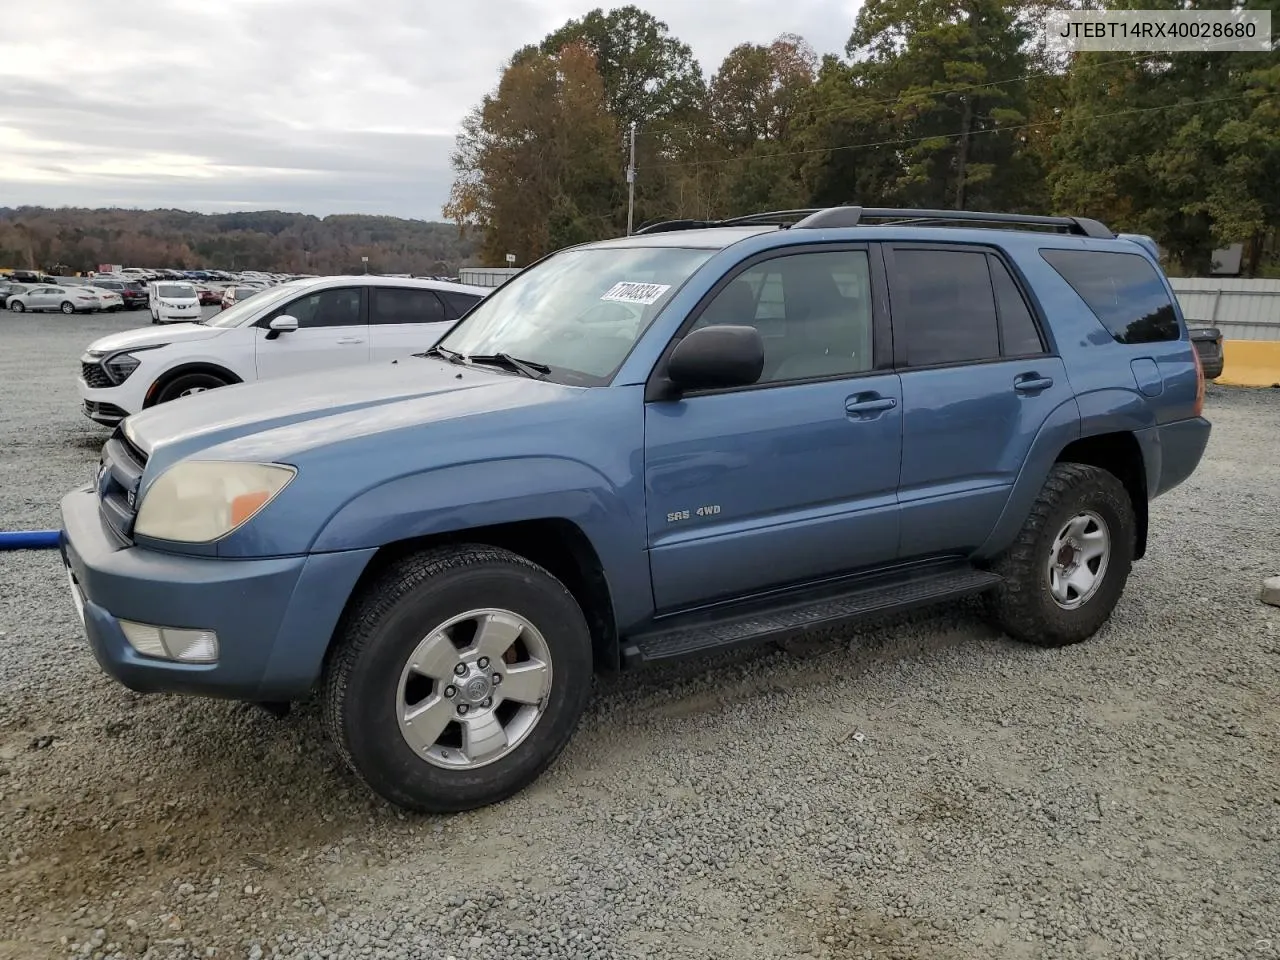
780	617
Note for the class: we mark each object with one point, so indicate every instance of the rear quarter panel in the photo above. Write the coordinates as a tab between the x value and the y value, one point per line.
1103	376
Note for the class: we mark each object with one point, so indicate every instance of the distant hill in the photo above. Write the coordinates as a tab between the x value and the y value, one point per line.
76	239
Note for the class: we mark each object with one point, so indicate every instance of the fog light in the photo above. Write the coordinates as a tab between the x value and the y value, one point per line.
171	643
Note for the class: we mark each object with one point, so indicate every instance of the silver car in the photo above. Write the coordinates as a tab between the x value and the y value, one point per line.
65	299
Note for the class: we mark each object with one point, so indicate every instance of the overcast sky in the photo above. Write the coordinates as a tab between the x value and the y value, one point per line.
319	106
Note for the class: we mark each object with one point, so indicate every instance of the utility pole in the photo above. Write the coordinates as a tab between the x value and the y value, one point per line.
631	182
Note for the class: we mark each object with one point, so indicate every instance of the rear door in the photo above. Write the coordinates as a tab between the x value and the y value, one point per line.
332	332
403	321
979	379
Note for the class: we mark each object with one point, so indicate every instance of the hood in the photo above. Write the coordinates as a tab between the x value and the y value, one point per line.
276	419
152	336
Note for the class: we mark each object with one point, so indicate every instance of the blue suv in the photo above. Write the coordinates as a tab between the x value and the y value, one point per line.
702	435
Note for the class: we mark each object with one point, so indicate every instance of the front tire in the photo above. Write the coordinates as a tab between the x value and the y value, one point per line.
457	678
17	307
1065	573
187	384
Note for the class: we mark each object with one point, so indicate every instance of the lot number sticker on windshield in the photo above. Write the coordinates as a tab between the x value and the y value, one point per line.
629	292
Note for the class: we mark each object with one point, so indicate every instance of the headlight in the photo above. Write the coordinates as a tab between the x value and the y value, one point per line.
203	500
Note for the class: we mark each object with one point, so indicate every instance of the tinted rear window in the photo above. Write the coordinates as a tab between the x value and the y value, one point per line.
1122	289
459	303
945	301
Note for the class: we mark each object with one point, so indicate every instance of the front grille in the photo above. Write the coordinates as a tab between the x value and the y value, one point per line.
94	376
118	478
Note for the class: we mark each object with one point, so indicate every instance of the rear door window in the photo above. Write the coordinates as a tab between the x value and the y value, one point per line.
404	305
1019	335
1122	289
456	304
944	306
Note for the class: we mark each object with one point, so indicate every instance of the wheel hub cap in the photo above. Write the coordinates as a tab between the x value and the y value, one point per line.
474	688
1078	558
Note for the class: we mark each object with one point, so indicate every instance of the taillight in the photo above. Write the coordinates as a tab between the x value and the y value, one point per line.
1199	380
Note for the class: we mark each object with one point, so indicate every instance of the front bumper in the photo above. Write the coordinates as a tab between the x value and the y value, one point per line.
274	617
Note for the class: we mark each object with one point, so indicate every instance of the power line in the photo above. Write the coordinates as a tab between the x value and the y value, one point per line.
946	91
951	136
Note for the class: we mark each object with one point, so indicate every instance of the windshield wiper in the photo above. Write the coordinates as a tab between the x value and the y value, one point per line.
444	354
530	368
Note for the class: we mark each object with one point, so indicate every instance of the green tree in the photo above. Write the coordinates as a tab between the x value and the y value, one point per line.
951	74
1184	147
538	162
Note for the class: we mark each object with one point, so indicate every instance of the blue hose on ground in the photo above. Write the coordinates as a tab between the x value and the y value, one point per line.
29	540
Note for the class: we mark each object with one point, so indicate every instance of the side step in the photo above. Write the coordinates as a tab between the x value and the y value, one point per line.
778	617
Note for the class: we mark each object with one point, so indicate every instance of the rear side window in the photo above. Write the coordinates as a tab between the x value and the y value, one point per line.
1018	332
944	306
458	303
1122	289
391	305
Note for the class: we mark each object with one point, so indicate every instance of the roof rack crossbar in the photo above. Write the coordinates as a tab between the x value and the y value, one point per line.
764	219
854	216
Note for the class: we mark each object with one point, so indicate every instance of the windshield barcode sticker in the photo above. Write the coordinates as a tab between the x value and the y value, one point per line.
628	292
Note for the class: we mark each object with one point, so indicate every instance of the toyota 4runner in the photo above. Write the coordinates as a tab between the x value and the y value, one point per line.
702	435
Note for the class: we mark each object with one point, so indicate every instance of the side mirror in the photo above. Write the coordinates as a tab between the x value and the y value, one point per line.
281	324
717	357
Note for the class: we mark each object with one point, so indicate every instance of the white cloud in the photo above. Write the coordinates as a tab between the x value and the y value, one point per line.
322	106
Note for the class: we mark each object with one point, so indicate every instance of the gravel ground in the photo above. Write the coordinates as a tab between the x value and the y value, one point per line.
926	790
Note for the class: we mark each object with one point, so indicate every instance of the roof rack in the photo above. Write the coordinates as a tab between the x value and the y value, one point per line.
779	218
853	216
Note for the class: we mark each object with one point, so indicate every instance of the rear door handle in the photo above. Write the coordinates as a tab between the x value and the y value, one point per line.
1032	384
350	340
868	406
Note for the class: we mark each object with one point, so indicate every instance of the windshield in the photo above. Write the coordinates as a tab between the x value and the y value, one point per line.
176	291
244	310
580	312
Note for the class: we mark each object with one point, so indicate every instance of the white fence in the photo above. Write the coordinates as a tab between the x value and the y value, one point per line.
1241	309
487	276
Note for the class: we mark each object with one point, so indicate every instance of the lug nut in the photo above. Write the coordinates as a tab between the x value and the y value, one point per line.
450	692
483	662
462	708
497	679
488	702
460	669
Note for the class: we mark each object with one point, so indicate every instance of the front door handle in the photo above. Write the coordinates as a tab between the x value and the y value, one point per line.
868	406
350	340
1032	384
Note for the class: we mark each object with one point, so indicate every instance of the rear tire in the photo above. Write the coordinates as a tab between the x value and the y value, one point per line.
440	611
67	307
186	384
1065	573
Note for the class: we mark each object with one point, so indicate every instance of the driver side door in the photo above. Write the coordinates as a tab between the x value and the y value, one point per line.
332	332
794	478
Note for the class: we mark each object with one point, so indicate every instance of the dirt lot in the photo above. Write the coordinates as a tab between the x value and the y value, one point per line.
922	790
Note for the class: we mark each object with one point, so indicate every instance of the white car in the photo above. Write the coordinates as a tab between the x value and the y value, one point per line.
109	299
174	301
297	327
